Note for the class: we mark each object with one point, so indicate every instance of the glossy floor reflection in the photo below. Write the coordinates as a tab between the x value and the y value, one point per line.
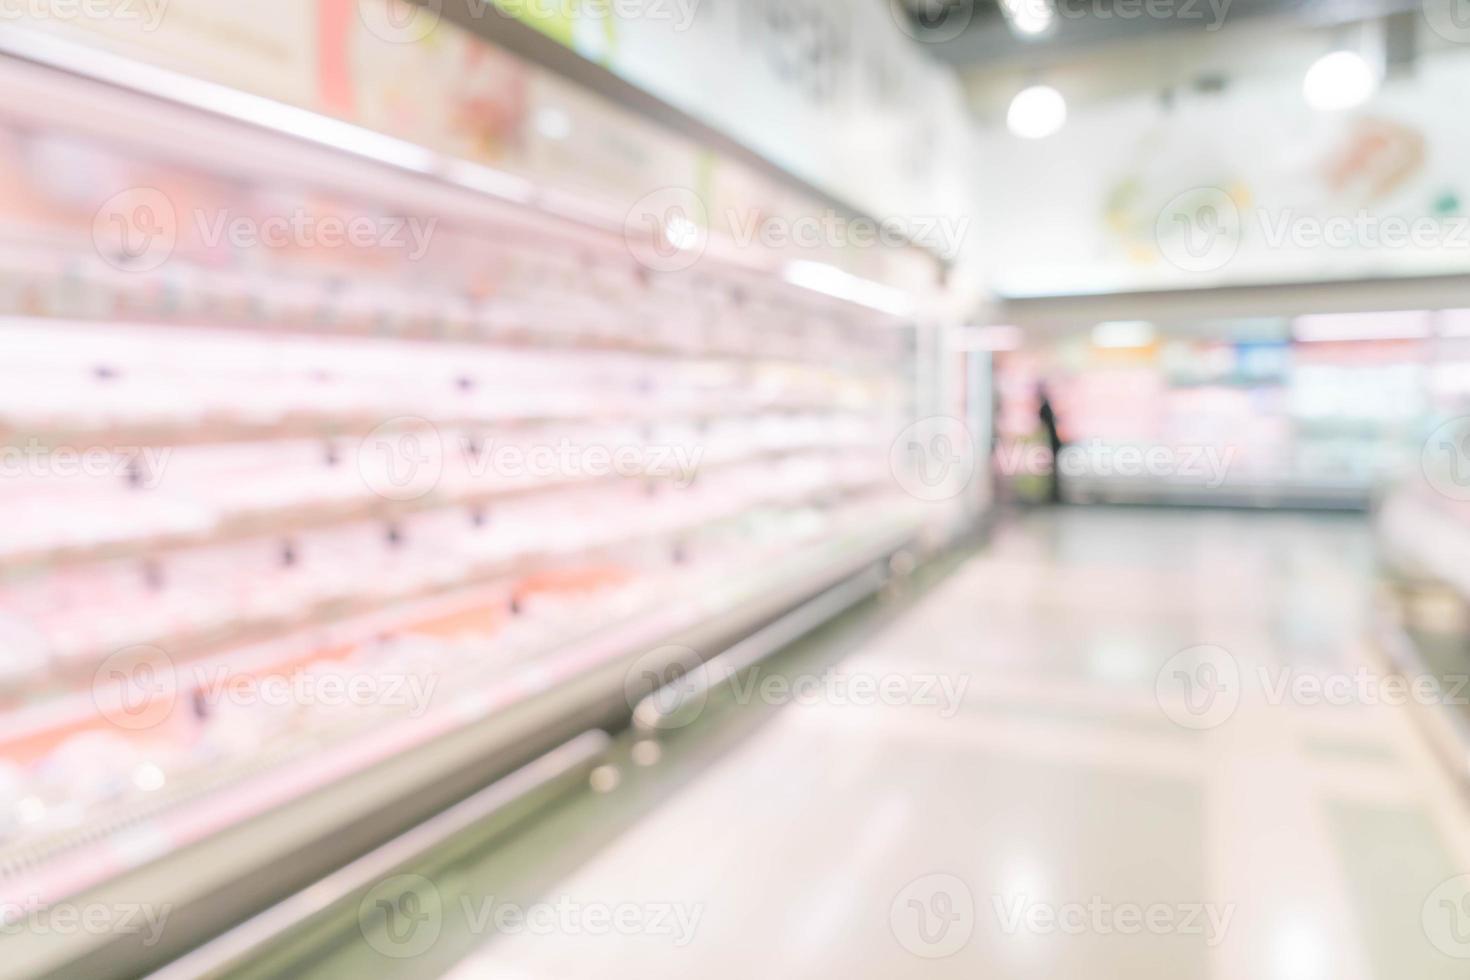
1116	744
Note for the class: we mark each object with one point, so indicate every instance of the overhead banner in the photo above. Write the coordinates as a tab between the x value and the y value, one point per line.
1247	187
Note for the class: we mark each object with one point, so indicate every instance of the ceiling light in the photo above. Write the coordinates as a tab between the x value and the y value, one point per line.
1029	18
832	281
1037	112
1333	327
1123	334
1339	80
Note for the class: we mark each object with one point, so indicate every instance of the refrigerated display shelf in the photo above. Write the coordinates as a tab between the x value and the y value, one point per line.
493	324
259	141
604	601
529	316
276	618
585	685
1425	536
329	429
294	517
1422	616
1312	494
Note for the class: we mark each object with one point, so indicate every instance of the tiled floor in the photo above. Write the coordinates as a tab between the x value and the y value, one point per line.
1131	774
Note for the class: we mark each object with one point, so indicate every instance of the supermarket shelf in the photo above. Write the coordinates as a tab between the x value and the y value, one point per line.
258	842
56	82
330	428
1445	726
654	712
297	517
1422	544
493	810
1317	495
446	317
509	34
218	641
1423	539
301	912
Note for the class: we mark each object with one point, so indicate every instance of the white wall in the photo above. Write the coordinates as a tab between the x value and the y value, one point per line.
1089	209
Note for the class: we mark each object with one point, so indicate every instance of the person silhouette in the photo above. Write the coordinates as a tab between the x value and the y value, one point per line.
1048	418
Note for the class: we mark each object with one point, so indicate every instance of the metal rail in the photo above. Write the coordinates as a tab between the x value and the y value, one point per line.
557	770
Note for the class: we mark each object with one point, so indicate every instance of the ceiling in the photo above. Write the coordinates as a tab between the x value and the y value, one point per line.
987	41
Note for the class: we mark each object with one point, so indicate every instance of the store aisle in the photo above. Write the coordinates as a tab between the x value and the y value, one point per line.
1096	752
